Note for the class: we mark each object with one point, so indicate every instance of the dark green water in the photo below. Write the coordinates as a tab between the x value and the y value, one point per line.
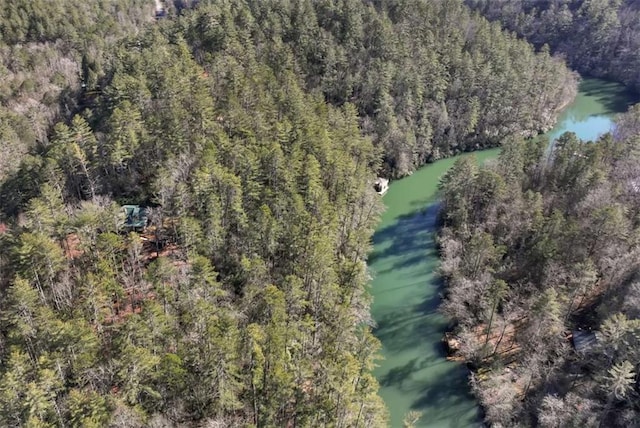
415	374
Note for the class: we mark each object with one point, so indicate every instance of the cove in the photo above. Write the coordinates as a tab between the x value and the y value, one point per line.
414	374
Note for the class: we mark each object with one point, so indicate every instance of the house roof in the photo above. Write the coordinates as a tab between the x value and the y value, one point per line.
135	216
583	340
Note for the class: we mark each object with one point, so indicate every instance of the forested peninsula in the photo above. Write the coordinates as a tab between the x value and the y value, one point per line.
541	255
250	132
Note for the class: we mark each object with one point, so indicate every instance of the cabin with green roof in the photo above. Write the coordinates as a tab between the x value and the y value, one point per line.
135	217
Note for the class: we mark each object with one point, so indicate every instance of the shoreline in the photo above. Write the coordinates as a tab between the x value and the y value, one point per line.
392	294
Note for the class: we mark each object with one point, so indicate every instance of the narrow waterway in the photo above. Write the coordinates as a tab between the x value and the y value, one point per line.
414	374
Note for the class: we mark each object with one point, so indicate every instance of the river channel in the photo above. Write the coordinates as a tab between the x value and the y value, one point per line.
414	374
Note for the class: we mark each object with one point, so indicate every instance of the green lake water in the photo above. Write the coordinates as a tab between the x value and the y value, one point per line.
591	112
414	374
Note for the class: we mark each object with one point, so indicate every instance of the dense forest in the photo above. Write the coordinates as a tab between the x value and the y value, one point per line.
600	38
252	132
428	79
244	301
541	249
49	50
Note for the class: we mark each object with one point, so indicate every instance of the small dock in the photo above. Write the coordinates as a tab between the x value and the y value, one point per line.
381	185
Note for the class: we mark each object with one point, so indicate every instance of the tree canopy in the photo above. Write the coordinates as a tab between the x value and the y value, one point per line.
598	38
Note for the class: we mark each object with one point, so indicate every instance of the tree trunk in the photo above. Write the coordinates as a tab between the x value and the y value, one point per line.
500	339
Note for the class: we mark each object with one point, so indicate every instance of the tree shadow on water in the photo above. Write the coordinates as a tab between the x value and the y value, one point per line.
408	238
395	330
439	388
397	376
401	285
445	399
411	331
414	325
442	391
412	260
614	97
